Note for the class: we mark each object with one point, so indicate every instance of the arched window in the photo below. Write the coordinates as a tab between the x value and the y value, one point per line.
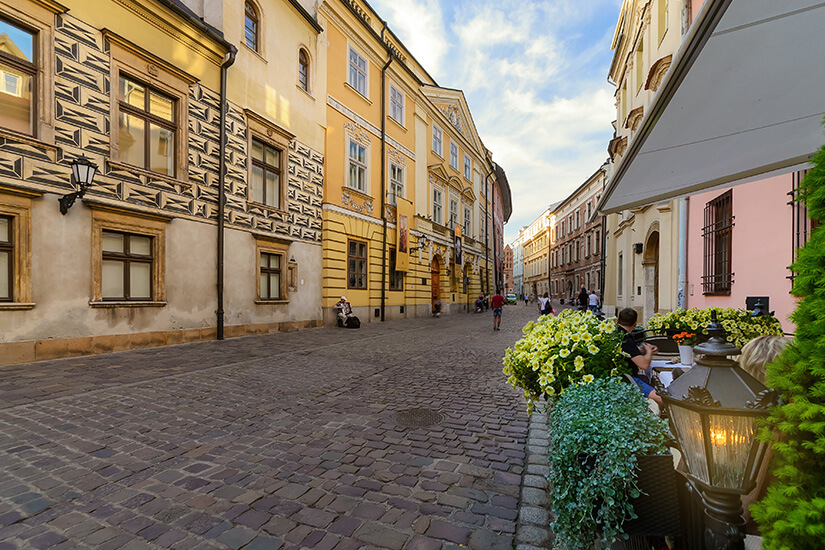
251	26
303	70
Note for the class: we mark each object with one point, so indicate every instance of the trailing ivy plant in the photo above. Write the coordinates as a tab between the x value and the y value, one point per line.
597	431
792	515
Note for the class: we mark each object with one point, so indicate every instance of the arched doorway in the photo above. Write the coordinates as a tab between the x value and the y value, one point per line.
435	278
650	264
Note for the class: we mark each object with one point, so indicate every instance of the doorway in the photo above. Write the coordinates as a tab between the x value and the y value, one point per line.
435	278
650	265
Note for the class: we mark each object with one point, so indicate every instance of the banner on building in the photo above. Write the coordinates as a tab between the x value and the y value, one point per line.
458	256
405	212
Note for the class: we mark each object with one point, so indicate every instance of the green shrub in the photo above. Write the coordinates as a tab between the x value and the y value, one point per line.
605	424
792	515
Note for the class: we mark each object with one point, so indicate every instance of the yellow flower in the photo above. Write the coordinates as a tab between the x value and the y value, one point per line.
579	362
592	349
588	378
564	352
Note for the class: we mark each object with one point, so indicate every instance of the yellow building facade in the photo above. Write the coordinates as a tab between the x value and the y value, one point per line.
400	152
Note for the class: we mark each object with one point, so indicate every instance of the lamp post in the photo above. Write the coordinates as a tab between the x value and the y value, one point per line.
713	409
83	172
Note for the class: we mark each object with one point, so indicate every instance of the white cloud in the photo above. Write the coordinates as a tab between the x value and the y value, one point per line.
420	25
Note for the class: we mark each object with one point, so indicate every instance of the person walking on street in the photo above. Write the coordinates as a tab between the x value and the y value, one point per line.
498	304
593	301
545	305
583	299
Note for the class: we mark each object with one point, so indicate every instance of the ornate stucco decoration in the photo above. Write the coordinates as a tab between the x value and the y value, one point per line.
634	117
350	203
389	213
657	73
358	133
396	156
362	13
453	115
617	147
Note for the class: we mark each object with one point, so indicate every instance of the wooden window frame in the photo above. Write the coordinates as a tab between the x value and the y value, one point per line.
127	258
8	248
268	269
453	214
107	217
15	204
438	206
468	168
358	259
154	72
274	247
266	168
253	14
262	130
361	167
396	277
362	72
717	236
468	221
303	70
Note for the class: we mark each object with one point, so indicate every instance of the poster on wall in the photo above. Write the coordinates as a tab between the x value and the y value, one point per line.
458	257
402	240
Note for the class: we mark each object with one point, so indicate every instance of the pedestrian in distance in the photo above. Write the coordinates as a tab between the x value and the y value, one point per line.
498	304
593	301
545	304
583	299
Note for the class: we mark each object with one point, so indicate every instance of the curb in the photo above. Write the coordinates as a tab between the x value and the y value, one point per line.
534	514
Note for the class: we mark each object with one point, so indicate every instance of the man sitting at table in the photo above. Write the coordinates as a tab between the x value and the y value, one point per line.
640	357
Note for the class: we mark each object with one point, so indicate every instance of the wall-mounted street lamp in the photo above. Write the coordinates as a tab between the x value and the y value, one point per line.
713	409
83	172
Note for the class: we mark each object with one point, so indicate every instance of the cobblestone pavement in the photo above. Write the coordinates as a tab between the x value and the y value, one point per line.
288	440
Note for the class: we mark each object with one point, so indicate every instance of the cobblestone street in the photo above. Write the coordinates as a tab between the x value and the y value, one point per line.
398	435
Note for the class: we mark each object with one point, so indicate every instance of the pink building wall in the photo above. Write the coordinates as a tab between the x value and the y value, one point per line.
761	248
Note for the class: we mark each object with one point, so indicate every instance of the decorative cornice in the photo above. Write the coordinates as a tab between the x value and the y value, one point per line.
657	73
357	132
20	192
453	114
269	125
127	209
634	117
349	202
52	6
368	126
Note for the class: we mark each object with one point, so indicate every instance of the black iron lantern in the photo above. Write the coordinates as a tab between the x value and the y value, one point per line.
83	173
713	409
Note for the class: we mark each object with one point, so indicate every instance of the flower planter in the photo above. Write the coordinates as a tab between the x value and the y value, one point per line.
686	355
658	505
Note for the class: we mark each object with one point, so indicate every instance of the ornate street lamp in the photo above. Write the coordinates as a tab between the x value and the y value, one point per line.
83	172
713	409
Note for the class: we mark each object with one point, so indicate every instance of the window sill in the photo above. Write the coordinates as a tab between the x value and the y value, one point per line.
256	53
362	96
148	173
27	139
253	204
358	193
401	126
271	302
126	303
309	95
12	306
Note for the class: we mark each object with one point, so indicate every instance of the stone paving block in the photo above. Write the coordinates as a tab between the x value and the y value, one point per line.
443	530
532	534
236	537
378	535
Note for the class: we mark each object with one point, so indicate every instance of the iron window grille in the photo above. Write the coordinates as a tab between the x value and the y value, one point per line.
801	224
717	234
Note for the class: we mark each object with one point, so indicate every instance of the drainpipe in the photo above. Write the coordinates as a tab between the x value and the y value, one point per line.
228	60
384	173
681	297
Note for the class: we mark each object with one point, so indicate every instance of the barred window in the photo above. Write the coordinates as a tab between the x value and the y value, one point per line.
717	234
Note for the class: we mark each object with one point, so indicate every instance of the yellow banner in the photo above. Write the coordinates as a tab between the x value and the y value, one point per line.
406	213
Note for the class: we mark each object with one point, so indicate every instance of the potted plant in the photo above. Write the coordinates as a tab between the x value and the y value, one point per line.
600	434
559	351
740	326
685	341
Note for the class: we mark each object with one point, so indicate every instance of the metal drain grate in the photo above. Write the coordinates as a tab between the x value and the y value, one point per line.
417	418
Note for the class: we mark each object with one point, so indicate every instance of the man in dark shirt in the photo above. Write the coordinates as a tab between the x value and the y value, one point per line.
640	358
498	304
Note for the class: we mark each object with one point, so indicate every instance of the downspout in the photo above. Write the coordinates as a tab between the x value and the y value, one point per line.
384	173
228	60
681	290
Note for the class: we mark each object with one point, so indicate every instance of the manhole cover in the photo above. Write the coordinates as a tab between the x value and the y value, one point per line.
417	418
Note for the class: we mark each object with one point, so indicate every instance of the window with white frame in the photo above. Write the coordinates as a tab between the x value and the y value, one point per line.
438	141
357	72
453	213
454	155
467	165
468	221
396	183
357	166
396	105
438	206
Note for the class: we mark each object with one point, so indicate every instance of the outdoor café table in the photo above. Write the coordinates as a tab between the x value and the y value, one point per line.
664	369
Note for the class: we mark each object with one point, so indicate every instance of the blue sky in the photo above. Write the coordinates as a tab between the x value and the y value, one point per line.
535	77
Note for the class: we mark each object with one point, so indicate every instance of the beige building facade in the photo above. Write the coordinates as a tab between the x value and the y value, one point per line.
537	240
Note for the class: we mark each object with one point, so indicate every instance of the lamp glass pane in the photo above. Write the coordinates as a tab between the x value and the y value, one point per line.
161	150
731	439
112	279
688	426
140	280
112	242
131	139
5	283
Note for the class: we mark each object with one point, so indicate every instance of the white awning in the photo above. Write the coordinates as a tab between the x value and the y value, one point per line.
745	96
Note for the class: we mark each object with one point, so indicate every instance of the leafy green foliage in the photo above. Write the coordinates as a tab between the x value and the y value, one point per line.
556	352
597	431
740	326
792	515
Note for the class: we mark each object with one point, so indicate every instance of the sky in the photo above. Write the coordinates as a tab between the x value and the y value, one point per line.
534	74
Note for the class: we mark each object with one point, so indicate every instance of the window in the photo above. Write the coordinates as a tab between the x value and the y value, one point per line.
663	22
266	174
396	277
454	155
251	26
357	166
126	272
438	205
396	105
146	127
438	141
640	70
718	238
303	70
357	72
356	264
620	282
17	77
270	276
396	183
453	214
596	244
468	222
467	165
6	259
